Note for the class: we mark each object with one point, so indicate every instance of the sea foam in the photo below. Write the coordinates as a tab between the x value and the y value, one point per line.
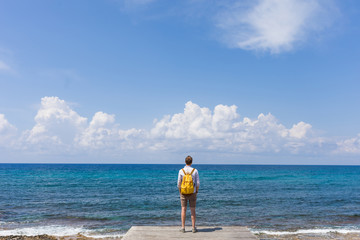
308	231
57	230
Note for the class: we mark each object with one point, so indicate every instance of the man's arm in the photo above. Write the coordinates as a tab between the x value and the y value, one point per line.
197	181
179	181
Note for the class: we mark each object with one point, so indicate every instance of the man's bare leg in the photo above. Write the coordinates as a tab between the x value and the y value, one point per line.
183	216
193	217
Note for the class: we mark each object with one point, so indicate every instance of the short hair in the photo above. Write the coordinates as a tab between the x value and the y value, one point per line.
188	160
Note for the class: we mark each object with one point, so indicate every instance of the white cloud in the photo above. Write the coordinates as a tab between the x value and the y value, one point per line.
59	130
350	145
224	130
104	134
195	122
100	131
273	25
299	130
56	125
7	131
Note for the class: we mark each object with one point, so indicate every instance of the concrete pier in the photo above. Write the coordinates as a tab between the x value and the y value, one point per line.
173	232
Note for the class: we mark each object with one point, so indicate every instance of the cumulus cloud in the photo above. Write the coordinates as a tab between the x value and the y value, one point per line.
195	122
103	133
59	129
100	131
7	131
273	25
299	130
56	125
223	129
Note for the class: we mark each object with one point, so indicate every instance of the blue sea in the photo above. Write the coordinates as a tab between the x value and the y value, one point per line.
105	200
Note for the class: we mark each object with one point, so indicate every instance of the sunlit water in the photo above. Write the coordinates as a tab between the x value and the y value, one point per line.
106	200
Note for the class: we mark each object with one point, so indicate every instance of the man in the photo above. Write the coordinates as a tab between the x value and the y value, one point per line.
191	198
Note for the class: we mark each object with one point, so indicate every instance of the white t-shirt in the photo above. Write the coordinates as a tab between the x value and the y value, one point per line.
194	175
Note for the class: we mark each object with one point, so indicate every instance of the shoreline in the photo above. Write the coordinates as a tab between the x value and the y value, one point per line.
51	237
259	235
57	232
310	236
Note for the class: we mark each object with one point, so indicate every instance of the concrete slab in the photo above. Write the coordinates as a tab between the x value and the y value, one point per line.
173	232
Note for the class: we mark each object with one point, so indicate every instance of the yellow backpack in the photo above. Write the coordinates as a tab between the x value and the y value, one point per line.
187	185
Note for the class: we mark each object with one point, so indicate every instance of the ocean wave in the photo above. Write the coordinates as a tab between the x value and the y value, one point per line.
7	223
88	218
58	231
94	235
308	231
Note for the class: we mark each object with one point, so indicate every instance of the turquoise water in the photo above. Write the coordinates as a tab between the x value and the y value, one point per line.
65	199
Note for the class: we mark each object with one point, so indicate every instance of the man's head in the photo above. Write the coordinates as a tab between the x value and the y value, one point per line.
188	160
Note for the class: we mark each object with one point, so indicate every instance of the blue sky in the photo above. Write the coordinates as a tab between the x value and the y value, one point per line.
155	80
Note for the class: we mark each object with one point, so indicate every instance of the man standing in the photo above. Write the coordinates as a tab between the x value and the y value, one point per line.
191	198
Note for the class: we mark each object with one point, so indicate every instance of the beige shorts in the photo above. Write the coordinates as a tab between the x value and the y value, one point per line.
184	198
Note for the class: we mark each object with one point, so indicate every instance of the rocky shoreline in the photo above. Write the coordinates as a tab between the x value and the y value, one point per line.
22	237
49	237
313	236
328	236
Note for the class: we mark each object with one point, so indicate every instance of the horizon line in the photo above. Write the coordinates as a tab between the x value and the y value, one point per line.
228	164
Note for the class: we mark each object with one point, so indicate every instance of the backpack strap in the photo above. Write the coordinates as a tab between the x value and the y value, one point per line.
190	173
